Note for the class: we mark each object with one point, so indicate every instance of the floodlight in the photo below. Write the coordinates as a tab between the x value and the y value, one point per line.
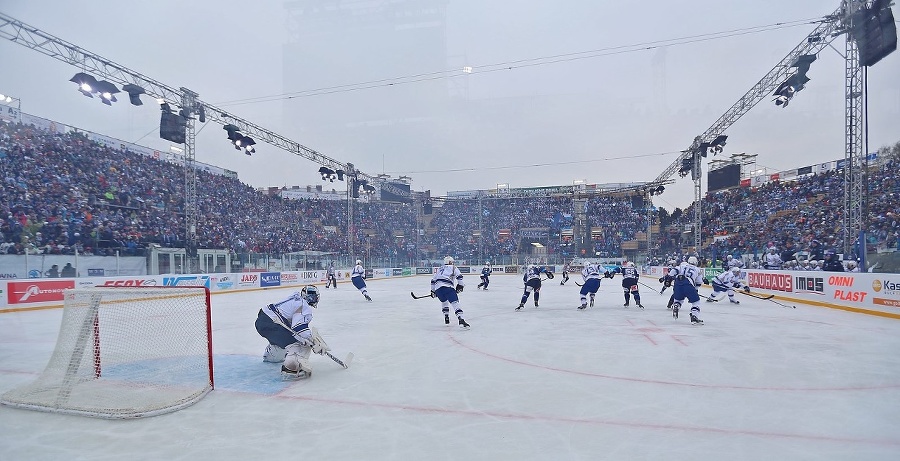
87	84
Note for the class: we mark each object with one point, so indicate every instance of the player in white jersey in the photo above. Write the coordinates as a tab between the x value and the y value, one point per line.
329	275
285	324
731	261
532	279
725	283
358	277
446	284
771	260
687	278
591	276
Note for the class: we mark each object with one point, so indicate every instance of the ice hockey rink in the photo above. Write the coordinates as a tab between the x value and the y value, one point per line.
757	381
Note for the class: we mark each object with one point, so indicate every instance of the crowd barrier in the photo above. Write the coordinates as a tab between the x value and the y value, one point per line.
26	294
862	292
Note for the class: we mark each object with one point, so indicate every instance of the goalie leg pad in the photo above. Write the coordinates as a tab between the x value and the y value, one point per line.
297	359
274	354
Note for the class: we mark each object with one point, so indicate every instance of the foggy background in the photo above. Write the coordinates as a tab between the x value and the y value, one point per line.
380	84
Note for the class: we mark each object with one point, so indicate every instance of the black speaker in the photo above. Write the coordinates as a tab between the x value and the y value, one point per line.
426	208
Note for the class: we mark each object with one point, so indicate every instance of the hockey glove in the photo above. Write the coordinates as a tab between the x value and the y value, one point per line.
459	288
662	280
705	281
432	294
550	275
746	289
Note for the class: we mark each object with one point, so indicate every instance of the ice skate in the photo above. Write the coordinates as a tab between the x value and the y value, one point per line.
695	320
734	301
675	310
446	319
521	305
582	306
463	324
368	298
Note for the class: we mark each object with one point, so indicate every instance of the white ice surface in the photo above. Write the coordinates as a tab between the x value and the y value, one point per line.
757	382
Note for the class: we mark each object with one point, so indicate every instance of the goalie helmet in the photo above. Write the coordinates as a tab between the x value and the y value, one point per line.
310	294
692	260
448	259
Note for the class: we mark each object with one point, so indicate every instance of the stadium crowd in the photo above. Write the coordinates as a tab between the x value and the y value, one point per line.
64	193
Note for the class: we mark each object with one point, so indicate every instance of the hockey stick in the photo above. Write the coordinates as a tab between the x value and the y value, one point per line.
782	305
430	295
345	363
767	298
755	296
648	286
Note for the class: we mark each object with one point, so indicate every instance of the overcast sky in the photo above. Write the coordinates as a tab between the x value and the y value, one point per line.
614	115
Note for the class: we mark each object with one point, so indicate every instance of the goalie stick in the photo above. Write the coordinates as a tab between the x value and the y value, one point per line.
344	363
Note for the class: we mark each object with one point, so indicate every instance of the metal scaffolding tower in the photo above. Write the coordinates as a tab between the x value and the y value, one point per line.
57	48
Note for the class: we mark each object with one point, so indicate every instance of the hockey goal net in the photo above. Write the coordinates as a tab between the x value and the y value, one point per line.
125	353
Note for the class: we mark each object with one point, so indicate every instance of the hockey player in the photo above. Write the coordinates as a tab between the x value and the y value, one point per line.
832	263
329	275
486	275
532	279
591	276
446	284
772	261
731	261
667	280
285	324
565	274
630	277
725	283
358	277
687	278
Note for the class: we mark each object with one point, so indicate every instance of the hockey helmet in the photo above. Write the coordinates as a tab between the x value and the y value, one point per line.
692	260
448	260
629	264
736	270
311	294
358	261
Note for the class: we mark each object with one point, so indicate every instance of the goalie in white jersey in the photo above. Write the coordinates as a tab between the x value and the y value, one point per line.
285	324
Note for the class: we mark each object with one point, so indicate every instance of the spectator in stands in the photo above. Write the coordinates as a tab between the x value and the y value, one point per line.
67	271
53	272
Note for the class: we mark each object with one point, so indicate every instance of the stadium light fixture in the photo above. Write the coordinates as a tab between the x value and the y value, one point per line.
107	92
327	174
246	143
87	84
718	143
